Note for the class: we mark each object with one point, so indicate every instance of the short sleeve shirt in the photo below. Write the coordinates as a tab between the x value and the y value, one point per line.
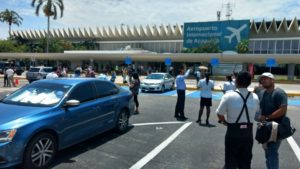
206	88
231	105
228	86
271	101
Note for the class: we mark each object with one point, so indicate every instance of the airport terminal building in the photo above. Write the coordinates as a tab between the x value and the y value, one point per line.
277	40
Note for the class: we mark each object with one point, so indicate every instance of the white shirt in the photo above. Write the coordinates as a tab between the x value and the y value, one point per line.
9	72
231	105
103	77
229	86
206	89
52	75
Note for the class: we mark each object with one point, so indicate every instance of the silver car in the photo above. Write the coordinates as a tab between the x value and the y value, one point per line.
158	82
37	73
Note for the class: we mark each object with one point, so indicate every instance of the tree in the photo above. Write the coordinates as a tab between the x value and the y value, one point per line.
243	46
211	46
11	17
49	9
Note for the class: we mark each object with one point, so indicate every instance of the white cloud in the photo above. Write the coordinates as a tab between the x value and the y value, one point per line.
98	13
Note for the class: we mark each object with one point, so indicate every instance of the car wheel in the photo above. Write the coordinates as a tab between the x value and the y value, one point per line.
122	122
162	88
40	151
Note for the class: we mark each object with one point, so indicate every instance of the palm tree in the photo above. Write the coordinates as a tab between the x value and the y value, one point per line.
49	9
11	17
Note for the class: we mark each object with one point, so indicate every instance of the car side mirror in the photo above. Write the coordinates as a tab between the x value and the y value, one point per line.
72	103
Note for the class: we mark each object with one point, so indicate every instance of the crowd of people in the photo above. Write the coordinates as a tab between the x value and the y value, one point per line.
239	108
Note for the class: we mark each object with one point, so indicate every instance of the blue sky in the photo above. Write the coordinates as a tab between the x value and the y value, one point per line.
99	13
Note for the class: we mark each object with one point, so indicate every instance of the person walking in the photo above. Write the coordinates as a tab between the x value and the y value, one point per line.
206	85
240	108
181	87
134	87
273	105
5	79
229	85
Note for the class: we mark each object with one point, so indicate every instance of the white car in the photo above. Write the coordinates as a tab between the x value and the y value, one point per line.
157	82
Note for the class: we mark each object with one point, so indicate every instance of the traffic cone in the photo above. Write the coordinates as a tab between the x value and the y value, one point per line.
16	82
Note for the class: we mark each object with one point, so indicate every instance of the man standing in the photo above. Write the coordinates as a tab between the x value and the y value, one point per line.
53	74
240	108
273	108
181	87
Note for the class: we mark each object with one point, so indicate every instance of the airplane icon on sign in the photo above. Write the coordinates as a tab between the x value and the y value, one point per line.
235	33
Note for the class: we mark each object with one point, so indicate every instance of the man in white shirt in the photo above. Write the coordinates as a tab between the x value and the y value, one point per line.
53	74
10	77
240	108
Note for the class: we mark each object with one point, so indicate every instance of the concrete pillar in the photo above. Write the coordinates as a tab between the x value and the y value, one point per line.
291	71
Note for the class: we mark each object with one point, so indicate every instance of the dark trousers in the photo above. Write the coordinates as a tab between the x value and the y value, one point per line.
238	146
179	109
135	99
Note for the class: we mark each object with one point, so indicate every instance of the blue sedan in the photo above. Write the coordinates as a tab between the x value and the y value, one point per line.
46	116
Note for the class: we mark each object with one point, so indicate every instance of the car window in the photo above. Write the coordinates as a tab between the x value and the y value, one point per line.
34	69
169	76
48	70
155	76
105	89
38	94
84	92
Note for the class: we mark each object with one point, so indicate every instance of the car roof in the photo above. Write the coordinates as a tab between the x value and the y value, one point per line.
159	73
68	81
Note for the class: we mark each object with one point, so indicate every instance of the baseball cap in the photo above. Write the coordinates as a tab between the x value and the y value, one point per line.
267	74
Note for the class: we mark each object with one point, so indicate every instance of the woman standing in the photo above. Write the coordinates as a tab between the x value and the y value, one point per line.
134	87
206	87
229	85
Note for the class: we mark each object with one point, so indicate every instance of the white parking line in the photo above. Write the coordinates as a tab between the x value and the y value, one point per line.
145	124
159	148
294	146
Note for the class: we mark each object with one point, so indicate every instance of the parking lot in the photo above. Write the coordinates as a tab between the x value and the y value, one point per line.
157	140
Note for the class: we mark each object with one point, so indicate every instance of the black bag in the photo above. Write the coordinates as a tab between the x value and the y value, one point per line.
285	129
264	130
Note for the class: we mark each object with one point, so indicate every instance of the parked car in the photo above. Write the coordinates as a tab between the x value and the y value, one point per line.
157	82
37	73
3	66
46	116
19	70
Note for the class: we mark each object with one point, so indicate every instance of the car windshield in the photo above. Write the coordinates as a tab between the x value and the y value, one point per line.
155	76
48	70
38	94
34	69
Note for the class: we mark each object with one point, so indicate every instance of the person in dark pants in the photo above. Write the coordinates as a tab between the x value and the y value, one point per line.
181	87
240	108
134	87
273	105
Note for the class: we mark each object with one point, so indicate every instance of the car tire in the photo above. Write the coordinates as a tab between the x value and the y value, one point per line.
122	121
40	151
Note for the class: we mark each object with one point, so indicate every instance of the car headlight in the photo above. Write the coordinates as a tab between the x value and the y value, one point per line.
7	135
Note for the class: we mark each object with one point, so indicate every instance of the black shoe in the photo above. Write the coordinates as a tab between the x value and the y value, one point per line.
198	121
207	123
183	118
176	116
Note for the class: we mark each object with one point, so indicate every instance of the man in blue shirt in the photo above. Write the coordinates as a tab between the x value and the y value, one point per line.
181	87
